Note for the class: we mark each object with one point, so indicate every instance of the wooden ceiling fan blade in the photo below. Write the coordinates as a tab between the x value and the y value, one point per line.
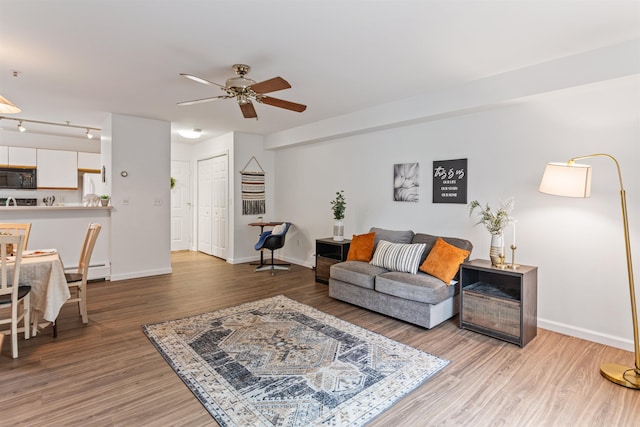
203	100
271	85
248	111
200	80
287	105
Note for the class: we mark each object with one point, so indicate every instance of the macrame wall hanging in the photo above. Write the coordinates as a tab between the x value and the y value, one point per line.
253	195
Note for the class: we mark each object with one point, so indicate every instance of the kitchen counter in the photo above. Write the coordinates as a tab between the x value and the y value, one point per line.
63	228
7	209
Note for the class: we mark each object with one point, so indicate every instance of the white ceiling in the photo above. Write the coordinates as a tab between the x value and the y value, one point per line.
78	60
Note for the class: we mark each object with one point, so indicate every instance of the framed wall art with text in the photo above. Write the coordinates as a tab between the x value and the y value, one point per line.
450	181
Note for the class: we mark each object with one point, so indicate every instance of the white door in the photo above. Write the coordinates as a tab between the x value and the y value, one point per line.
204	206
220	208
180	206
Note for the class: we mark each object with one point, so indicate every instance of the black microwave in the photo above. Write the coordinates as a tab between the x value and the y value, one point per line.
18	178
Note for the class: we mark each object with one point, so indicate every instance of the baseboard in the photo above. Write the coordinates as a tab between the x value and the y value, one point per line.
96	271
586	334
296	262
243	260
137	274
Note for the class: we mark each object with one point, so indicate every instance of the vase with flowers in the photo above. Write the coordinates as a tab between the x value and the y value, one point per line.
338	205
495	221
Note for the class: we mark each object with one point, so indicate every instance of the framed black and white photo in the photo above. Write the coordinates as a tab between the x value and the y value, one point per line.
450	181
406	182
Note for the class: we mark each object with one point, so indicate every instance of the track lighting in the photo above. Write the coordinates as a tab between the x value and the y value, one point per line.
21	128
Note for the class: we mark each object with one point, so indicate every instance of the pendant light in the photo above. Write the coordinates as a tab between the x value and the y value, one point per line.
7	107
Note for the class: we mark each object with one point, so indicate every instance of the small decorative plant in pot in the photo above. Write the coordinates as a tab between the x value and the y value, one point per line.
495	222
104	199
338	205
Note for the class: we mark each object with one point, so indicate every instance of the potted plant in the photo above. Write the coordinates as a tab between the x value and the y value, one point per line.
338	205
104	200
495	222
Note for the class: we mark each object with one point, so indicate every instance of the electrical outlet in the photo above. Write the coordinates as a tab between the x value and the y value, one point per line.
157	202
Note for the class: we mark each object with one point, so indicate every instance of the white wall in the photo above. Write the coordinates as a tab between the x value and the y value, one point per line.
245	236
140	228
576	243
239	147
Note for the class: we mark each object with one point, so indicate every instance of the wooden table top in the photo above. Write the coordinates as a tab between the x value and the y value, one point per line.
265	224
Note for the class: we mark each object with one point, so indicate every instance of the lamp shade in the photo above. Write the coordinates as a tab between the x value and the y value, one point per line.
6	107
568	180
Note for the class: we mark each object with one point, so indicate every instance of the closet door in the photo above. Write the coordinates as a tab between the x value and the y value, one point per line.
204	205
220	197
213	201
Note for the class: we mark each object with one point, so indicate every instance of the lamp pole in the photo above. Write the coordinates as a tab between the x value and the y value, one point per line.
619	374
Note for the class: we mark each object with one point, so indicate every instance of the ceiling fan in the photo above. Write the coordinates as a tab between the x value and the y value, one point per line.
245	90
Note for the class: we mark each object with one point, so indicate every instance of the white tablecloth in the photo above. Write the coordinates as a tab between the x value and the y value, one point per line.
49	289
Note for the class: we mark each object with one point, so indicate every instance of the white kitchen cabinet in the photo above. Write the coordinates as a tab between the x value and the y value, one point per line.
57	169
89	162
4	155
22	156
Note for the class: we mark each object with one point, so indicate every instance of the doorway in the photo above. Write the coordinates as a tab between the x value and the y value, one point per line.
181	206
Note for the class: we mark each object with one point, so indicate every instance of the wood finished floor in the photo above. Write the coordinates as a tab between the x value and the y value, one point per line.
107	373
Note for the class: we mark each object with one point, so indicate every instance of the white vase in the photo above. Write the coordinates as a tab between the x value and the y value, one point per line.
496	252
338	230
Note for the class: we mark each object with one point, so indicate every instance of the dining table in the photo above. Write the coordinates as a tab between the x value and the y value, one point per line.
44	272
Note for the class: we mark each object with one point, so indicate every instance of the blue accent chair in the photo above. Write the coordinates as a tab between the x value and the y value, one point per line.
272	241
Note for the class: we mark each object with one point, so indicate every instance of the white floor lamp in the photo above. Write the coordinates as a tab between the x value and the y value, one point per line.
574	180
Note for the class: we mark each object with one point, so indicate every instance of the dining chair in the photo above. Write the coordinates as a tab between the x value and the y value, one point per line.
17	229
11	297
78	281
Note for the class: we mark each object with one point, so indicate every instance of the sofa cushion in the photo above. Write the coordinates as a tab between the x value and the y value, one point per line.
393	236
430	240
398	256
361	247
357	273
419	287
444	261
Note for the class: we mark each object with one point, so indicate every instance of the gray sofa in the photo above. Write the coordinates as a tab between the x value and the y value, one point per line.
419	298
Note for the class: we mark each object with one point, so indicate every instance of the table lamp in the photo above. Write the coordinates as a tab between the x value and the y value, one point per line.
574	180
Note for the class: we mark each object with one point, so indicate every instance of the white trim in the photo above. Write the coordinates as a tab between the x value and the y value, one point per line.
137	274
586	334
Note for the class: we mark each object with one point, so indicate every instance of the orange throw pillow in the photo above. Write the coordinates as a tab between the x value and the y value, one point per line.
361	248
444	261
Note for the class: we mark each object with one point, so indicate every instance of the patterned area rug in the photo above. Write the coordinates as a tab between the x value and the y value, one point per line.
276	362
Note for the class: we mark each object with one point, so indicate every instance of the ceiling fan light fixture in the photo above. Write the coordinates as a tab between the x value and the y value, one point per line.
7	107
246	90
190	134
